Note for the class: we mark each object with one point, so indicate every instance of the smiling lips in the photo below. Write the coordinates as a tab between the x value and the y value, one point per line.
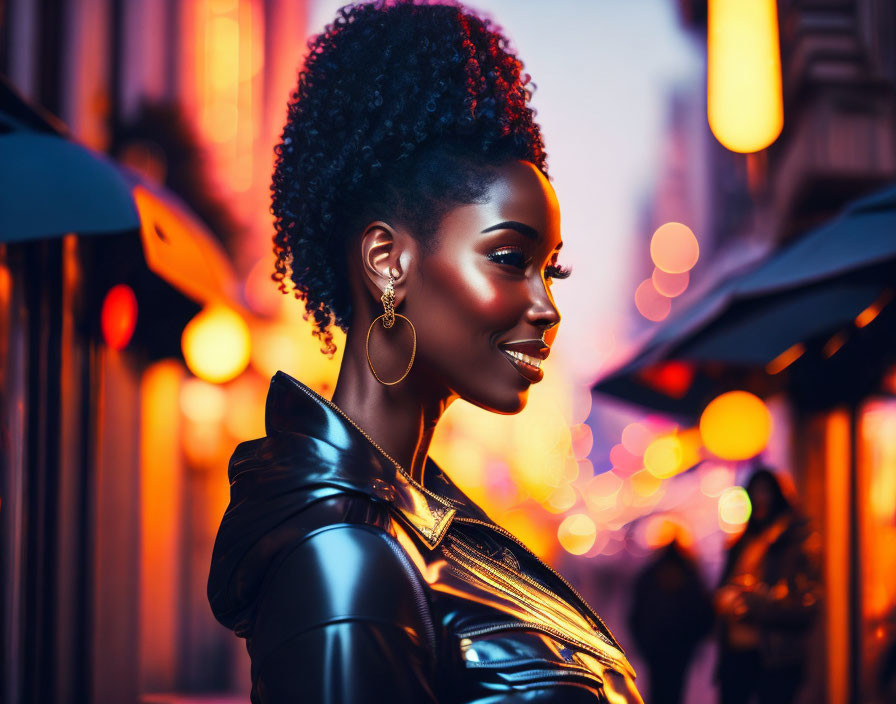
526	357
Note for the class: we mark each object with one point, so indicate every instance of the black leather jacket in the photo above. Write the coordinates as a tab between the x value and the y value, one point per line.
352	583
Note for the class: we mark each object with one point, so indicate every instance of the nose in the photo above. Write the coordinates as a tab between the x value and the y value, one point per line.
542	311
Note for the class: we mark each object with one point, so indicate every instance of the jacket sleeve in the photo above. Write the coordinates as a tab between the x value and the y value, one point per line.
795	600
343	618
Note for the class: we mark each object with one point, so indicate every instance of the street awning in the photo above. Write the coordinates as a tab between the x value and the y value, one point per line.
50	186
807	290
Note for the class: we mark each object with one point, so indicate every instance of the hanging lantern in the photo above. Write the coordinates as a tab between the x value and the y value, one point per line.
744	102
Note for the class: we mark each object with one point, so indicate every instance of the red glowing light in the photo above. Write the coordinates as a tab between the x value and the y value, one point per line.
119	316
672	378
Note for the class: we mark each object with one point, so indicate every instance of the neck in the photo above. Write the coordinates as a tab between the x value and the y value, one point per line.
400	418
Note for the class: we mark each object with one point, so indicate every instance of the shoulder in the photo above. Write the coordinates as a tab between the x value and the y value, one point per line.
346	569
338	573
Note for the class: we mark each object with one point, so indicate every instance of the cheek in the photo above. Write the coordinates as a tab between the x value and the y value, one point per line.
463	301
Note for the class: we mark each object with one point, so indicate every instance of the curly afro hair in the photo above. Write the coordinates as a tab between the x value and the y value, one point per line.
402	111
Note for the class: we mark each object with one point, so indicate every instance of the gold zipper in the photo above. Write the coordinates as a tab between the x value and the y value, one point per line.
548	630
503	576
466	547
511	536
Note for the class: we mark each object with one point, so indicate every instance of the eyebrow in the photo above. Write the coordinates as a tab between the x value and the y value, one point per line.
526	230
522	228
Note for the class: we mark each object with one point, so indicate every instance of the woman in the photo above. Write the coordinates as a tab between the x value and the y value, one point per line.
767	600
412	210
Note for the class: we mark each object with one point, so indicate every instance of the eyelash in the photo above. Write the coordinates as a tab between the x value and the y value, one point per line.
552	271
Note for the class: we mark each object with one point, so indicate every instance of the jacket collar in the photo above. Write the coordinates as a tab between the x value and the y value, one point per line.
292	407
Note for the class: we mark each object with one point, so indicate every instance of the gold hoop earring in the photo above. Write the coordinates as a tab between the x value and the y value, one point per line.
388	299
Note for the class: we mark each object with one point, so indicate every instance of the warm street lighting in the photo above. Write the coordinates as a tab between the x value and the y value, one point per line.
216	344
577	533
674	248
744	102
736	426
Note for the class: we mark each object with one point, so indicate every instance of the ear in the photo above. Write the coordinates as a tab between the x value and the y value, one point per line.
385	252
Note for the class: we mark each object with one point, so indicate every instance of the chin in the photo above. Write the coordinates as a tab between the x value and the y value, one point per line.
508	405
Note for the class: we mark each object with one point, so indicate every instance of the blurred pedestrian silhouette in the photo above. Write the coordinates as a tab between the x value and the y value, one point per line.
671	612
767	600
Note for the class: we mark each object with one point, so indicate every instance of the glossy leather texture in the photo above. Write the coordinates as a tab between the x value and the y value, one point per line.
353	583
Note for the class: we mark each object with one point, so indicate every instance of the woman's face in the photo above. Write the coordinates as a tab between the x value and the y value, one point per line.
482	299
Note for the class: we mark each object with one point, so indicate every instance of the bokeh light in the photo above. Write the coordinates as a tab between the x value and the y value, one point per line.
635	438
623	461
663	457
650	303
216	344
674	248
670	285
734	509
201	401
582	439
736	426
563	499
119	316
644	483
602	491
577	533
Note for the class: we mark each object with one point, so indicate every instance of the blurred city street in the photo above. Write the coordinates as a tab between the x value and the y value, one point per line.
711	454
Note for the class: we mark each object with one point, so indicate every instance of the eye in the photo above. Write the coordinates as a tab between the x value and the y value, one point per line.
510	256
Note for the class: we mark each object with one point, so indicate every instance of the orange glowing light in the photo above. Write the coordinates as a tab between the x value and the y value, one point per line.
577	533
216	344
644	483
537	535
651	303
670	285
202	402
659	532
745	107
786	358
663	457
674	248
691	446
832	346
162	478
734	509
119	316
736	426
872	311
